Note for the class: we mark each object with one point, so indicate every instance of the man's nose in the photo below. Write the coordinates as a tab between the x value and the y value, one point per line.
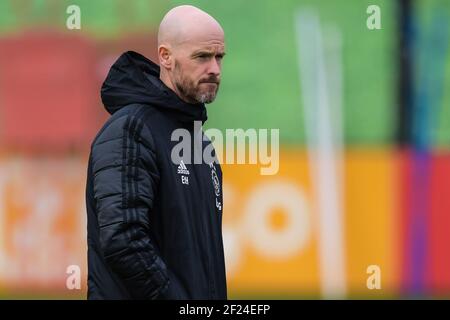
214	67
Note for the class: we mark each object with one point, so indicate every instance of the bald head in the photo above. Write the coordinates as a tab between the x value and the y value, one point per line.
188	24
190	51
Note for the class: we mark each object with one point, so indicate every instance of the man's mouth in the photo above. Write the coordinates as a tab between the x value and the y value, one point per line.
210	80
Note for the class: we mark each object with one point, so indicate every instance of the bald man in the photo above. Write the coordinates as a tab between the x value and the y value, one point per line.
155	214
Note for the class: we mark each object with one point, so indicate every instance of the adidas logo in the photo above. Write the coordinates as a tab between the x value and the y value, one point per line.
182	168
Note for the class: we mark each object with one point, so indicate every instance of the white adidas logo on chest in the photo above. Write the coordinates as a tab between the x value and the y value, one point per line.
183	170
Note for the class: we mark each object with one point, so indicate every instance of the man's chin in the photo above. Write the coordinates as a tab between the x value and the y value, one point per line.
206	98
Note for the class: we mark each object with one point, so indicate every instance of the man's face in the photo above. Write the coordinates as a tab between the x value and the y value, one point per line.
197	70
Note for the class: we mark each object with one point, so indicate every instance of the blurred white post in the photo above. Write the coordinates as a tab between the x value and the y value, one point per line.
320	68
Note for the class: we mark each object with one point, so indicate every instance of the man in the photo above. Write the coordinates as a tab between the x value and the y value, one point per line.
154	225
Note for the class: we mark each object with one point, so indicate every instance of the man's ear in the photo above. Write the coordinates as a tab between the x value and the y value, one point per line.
165	56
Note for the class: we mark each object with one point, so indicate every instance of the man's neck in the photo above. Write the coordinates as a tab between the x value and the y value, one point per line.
168	82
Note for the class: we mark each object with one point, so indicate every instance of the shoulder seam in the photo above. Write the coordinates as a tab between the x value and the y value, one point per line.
111	120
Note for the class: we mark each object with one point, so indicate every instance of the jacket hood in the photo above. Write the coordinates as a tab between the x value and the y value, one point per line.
135	79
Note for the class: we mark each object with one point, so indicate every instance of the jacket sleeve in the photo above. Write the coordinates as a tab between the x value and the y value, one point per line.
125	181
